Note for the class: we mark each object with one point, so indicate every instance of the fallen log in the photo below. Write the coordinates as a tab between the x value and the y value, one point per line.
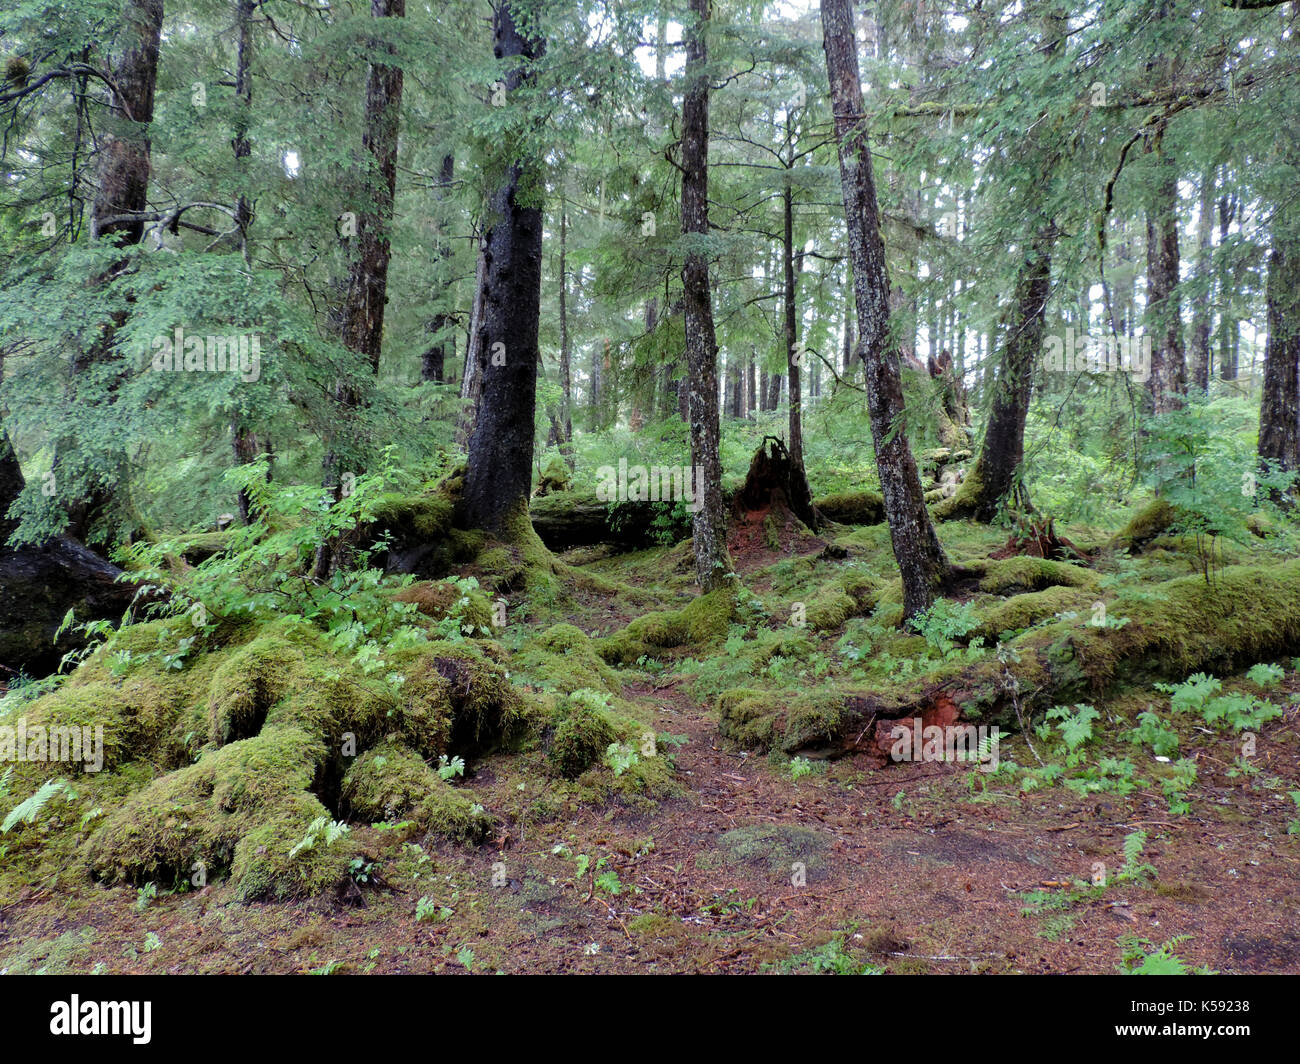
38	585
1248	614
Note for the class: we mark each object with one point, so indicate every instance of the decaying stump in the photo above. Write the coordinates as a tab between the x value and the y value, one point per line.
776	482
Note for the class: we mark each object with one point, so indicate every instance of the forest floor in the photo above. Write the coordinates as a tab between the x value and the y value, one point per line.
760	864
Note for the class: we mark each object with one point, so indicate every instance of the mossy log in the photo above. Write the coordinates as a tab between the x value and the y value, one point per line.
1247	615
853	507
38	585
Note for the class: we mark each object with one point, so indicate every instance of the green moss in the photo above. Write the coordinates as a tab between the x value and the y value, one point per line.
851	594
1001	576
562	658
1151	520
391	782
229	761
780	720
703	621
583	731
853	507
1024	611
439	599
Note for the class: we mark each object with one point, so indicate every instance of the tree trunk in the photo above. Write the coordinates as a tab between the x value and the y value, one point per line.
499	477
1228	335
566	364
921	559
363	316
797	490
996	470
1167	385
1279	413
712	563
246	442
433	363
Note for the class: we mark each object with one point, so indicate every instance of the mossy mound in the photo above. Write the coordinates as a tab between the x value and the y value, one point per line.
392	783
852	507
789	721
235	762
584	730
1025	611
1152	520
851	594
700	623
1009	575
563	659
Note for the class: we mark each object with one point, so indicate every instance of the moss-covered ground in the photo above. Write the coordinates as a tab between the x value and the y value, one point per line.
576	764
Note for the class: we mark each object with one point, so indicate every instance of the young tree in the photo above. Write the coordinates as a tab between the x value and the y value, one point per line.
920	556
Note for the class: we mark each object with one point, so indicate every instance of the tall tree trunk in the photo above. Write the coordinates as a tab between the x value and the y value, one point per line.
499	477
1228	334
712	563
921	559
566	363
1167	385
1200	352
1279	413
798	491
433	363
997	468
247	443
471	382
363	317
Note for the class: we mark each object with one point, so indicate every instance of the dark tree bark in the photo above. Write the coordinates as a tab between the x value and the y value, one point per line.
1279	413
124	161
921	559
360	321
712	562
363	315
499	477
995	476
566	354
1228	334
1167	385
433	363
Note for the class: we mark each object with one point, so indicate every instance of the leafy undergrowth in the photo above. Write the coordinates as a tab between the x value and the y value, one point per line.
479	772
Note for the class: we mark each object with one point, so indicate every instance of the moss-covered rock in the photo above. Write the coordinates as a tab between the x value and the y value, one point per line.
583	732
789	721
1152	520
850	594
441	599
